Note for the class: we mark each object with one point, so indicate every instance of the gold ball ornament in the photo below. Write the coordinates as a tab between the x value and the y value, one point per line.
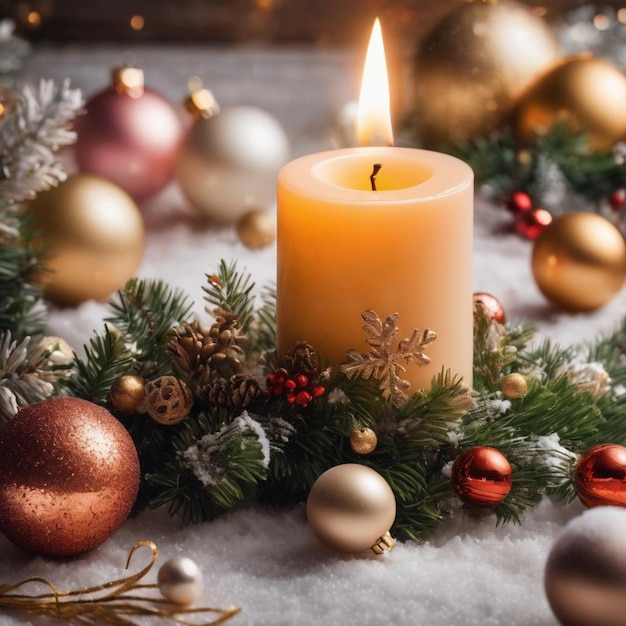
128	393
69	476
351	508
579	261
180	580
513	386
585	574
474	64
586	92
94	233
168	400
363	440
257	229
228	162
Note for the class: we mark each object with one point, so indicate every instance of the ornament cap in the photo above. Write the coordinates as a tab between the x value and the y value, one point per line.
386	543
127	80
201	103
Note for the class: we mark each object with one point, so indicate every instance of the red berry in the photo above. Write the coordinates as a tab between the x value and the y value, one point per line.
533	223
301	380
303	398
519	202
617	199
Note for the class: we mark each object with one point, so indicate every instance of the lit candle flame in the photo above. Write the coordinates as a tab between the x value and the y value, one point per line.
374	117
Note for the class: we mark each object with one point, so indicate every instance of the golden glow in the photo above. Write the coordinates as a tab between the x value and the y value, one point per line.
136	22
621	15
34	19
601	21
265	5
374	117
2	109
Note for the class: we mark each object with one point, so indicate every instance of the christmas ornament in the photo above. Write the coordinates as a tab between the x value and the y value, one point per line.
491	306
130	135
600	476
351	508
297	389
585	574
127	394
473	66
513	386
363	440
180	580
94	233
257	229
579	261
228	162
532	223
168	400
69	475
586	92
519	202
481	476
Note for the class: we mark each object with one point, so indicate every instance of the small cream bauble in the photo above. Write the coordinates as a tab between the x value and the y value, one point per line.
228	163
351	508
585	575
180	580
94	234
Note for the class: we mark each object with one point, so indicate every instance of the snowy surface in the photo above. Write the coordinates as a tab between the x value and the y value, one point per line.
266	561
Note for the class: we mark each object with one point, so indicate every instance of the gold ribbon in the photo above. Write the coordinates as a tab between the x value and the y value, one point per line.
94	605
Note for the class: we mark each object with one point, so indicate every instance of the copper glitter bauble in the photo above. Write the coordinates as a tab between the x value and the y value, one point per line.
482	476
168	400
351	508
127	394
363	440
473	66
491	306
586	92
513	386
257	229
130	135
69	476
180	580
579	261
94	233
228	163
600	476
585	574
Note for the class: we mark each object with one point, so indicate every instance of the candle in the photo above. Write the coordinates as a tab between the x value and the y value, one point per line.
405	248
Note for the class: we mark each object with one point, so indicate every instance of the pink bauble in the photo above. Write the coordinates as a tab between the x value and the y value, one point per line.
131	141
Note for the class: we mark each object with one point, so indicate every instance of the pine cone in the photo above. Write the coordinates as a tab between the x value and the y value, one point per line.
225	355
238	392
301	358
186	344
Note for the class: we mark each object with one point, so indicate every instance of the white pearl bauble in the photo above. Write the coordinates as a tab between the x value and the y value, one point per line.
180	580
228	163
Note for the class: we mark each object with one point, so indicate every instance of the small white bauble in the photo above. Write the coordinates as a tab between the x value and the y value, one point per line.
180	580
228	163
585	575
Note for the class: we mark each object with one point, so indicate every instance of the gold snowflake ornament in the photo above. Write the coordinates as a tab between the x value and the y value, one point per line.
383	362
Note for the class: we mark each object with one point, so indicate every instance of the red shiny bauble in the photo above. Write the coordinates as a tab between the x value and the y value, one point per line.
600	476
69	476
519	202
491	306
482	476
532	223
130	140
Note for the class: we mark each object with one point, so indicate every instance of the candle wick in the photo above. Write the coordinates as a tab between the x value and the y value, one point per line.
375	171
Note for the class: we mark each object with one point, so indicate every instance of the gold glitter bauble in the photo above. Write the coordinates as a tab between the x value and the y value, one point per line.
350	508
585	574
579	261
69	476
95	235
257	229
513	386
168	400
586	92
127	394
474	65
363	440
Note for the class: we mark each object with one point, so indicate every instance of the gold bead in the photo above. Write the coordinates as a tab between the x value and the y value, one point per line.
579	261
514	386
363	440
257	229
127	394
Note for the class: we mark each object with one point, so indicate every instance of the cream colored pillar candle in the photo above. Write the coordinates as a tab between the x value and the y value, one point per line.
405	248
